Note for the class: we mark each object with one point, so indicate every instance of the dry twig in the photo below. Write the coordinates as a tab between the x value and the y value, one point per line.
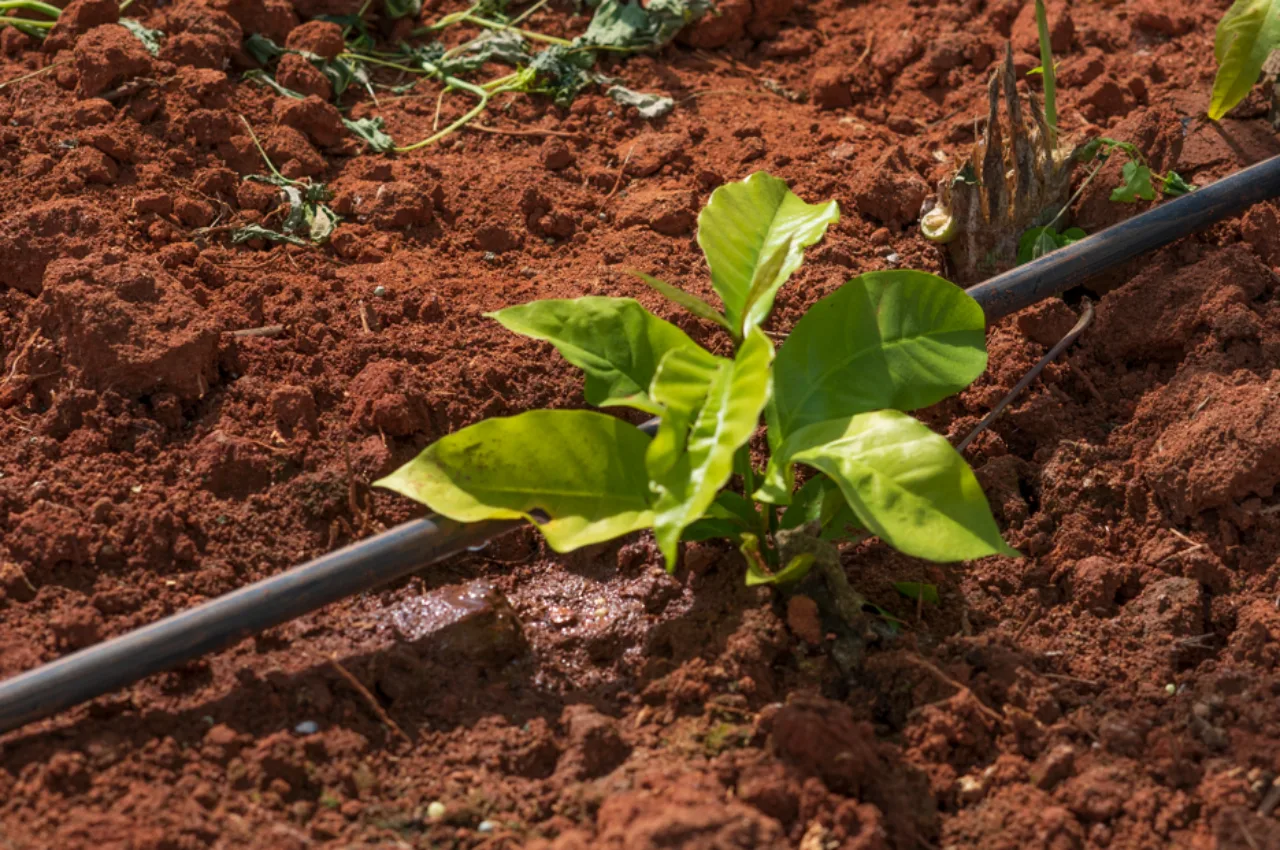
1063	344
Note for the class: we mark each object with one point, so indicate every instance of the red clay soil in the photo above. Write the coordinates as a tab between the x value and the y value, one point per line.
1117	687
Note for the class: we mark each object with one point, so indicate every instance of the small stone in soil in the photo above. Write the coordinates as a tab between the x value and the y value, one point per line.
379	291
436	810
485	826
307	727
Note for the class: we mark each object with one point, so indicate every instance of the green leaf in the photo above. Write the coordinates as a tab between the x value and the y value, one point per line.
371	131
263	50
151	39
797	569
617	342
403	8
680	388
578	475
893	339
649	106
916	591
728	517
1038	241
905	484
688	479
692	303
628	25
821	501
262	78
1174	185
1137	184
1246	35
561	72
341	73
754	234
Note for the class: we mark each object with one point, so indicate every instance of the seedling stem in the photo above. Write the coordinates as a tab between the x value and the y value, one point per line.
1050	77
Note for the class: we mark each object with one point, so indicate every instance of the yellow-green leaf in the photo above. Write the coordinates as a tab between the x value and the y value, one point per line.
905	484
616	341
754	234
895	339
1246	35
578	475
687	476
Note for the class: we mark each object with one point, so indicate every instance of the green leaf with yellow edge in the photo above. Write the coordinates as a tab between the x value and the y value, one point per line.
1246	35
753	234
616	341
895	339
905	484
687	474
578	475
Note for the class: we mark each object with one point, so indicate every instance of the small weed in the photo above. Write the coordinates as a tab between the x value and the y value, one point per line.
309	219
560	69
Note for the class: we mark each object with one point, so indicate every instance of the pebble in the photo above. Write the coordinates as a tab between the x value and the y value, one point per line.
307	727
379	291
1171	689
436	810
485	826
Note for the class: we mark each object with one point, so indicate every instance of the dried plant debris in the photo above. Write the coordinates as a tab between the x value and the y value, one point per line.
1013	181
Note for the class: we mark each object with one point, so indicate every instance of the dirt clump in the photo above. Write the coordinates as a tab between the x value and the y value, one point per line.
107	56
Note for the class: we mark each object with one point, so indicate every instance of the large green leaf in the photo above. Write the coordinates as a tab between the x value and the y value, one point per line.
687	476
583	470
894	339
616	341
754	234
680	387
1246	35
905	484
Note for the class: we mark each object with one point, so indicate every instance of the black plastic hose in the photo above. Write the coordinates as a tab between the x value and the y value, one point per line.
407	548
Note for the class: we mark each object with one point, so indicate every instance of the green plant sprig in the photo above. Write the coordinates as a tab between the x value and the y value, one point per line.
32	27
310	220
1049	71
834	397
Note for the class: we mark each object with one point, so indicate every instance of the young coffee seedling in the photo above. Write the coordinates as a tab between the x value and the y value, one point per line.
834	398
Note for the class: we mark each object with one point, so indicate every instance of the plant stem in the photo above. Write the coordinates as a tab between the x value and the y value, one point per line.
46	69
1050	78
529	34
383	63
23	23
1076	195
467	117
523	16
31	6
265	158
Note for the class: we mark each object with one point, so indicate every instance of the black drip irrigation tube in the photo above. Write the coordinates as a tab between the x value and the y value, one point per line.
400	551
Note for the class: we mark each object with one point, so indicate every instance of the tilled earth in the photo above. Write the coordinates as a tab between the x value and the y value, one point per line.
1117	687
